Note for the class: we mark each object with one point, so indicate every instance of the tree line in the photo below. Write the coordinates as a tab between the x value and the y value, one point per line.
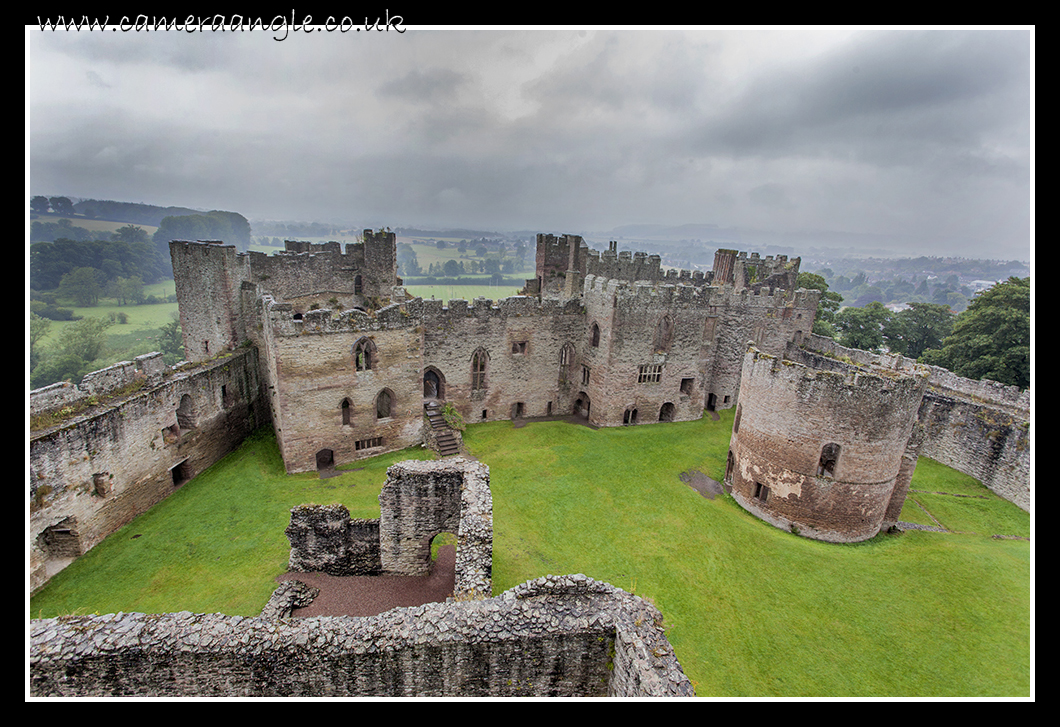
990	339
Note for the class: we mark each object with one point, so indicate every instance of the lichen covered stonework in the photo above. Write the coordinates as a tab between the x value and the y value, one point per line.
566	636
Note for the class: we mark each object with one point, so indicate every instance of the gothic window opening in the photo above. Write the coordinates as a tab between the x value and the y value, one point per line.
364	355
585	375
594	336
478	370
664	334
383	403
186	417
829	459
566	359
630	416
346	412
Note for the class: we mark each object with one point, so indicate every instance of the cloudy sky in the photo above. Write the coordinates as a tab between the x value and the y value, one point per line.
921	140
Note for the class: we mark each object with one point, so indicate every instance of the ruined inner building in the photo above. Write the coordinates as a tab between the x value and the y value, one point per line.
327	346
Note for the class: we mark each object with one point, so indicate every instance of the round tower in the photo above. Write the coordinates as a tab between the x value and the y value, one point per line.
820	452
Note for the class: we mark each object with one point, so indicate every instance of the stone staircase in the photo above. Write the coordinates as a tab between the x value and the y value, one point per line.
445	442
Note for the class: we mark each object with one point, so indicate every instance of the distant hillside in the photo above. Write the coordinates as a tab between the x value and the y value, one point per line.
132	212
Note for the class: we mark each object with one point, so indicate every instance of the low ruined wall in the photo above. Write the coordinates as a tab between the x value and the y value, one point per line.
419	500
556	636
325	538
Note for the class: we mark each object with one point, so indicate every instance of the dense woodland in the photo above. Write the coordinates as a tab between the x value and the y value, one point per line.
944	311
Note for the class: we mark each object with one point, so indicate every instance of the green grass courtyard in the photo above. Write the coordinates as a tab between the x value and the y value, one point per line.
751	611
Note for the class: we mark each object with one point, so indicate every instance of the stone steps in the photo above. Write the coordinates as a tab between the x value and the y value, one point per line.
445	442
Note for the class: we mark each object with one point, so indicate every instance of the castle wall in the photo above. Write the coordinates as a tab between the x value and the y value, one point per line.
521	339
819	451
315	372
208	279
981	428
556	636
90	474
651	352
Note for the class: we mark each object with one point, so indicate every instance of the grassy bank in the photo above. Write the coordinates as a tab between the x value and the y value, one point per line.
750	610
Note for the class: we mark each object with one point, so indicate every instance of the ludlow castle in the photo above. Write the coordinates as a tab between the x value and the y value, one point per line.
327	346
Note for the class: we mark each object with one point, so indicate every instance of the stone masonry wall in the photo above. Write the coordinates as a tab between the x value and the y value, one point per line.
981	428
95	471
556	636
821	451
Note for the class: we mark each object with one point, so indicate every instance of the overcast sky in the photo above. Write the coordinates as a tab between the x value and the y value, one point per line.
919	138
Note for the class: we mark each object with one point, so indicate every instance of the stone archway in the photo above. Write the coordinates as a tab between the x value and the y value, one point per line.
433	383
581	405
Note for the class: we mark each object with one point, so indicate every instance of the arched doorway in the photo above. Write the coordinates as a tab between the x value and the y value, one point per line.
581	405
666	412
433	384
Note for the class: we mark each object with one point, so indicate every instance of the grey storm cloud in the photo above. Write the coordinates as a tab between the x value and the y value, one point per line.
923	136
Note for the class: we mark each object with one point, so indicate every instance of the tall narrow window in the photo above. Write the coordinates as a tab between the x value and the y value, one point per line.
594	336
346	411
358	287
829	459
478	370
364	355
566	359
383	403
664	334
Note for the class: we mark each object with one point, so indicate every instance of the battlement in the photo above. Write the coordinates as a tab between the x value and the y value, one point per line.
666	292
146	370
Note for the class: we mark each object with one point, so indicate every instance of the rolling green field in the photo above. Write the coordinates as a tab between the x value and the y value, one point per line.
125	340
751	610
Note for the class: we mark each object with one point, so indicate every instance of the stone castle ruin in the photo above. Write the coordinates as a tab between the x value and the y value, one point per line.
327	346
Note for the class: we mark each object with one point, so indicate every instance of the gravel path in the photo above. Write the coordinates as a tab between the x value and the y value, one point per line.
371	595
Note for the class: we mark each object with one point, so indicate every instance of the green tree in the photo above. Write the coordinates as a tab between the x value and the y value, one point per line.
128	291
921	326
824	322
84	338
991	338
61	205
38	329
131	233
862	327
171	342
39	204
81	284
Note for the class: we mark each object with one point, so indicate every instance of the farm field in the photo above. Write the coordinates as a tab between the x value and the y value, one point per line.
751	611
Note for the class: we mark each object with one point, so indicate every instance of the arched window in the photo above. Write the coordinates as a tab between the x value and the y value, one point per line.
630	417
664	334
186	416
364	355
829	460
478	369
383	403
346	410
566	360
594	336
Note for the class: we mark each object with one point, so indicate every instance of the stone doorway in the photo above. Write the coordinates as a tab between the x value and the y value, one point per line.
433	384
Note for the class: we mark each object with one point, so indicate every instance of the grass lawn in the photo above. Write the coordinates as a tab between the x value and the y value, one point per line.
751	610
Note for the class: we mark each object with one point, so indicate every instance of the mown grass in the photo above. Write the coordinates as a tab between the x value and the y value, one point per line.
751	610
